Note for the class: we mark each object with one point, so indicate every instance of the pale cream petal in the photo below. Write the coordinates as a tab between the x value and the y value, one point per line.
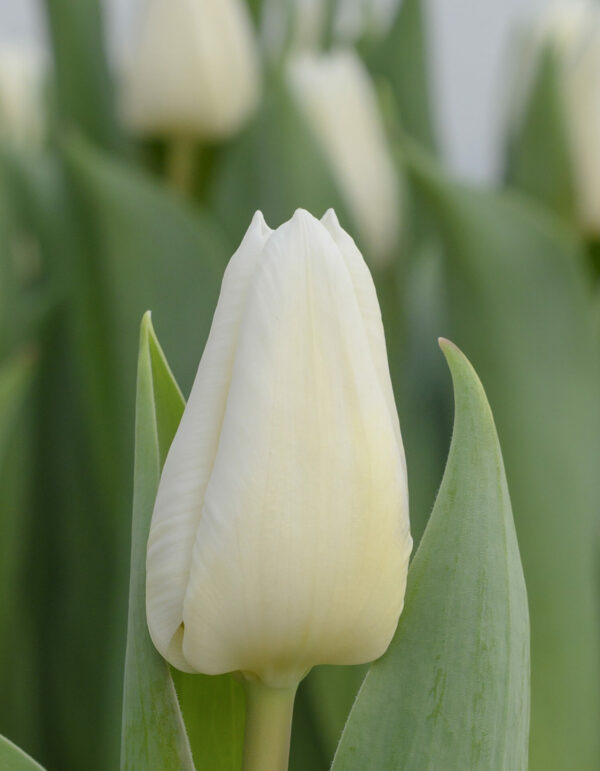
301	551
189	462
194	69
368	304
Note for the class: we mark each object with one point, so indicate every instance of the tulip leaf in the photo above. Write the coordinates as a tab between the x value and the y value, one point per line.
331	692
15	376
85	98
153	251
18	682
541	134
14	759
452	691
519	302
402	58
154	735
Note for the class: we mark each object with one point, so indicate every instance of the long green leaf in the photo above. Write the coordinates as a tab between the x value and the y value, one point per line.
153	732
84	89
542	135
520	304
452	691
402	58
18	682
14	759
153	251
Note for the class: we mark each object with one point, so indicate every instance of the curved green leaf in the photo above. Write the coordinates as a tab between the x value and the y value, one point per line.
84	88
18	673
541	135
153	736
151	250
452	691
520	303
402	58
14	759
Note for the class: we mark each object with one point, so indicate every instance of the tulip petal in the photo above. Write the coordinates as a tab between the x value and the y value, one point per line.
368	304
194	70
189	462
302	547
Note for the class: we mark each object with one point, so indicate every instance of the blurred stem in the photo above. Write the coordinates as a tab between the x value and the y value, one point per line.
181	163
268	727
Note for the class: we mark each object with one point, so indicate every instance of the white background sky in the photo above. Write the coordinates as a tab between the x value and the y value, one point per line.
469	45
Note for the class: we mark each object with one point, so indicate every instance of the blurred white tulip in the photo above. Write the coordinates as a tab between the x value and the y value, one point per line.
280	535
337	96
572	29
23	117
193	71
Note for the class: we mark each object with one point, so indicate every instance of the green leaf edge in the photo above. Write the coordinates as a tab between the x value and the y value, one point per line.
160	745
13	758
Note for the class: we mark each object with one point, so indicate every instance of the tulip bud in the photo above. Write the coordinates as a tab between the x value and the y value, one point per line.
22	108
280	534
337	96
194	70
572	30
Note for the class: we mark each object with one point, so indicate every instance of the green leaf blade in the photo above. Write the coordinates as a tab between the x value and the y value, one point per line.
402	58
542	134
452	691
519	302
14	759
154	735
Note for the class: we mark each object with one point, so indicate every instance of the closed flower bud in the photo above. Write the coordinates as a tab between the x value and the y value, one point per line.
194	70
280	534
23	117
572	30
337	97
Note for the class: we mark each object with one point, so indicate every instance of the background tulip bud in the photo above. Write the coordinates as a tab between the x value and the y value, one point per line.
572	30
280	534
194	69
337	96
22	109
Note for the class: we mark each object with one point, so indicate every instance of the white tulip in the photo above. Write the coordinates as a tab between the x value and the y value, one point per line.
280	535
23	70
573	30
194	70
337	97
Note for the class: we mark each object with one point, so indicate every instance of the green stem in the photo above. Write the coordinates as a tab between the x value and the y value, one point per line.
180	163
268	727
